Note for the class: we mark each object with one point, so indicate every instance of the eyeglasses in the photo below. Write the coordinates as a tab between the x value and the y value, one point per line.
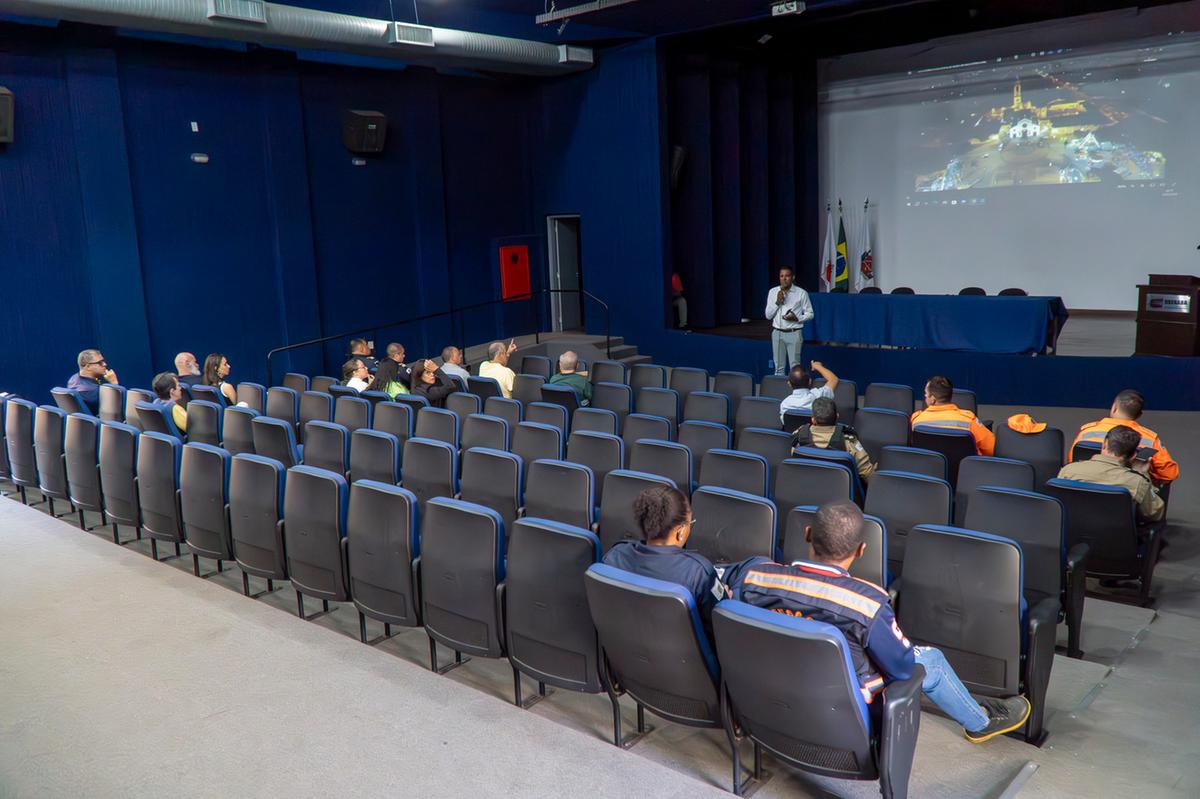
93	363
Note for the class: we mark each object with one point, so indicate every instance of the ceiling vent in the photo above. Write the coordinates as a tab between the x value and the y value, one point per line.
238	10
407	33
574	55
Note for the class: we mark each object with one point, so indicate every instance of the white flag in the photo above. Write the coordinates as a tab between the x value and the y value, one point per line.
865	274
827	252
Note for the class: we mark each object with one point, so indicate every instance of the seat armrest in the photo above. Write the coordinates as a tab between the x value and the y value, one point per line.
1077	557
501	617
893	592
418	610
1043	619
901	724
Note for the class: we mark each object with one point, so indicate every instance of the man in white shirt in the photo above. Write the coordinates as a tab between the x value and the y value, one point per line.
788	308
452	359
803	394
496	366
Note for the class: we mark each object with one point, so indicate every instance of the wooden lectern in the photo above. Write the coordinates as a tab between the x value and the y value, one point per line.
1168	316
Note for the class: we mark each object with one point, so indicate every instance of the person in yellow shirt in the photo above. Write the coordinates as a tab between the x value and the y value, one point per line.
941	412
496	366
1125	410
170	395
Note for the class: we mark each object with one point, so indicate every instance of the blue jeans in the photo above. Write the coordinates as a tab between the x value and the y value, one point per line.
945	690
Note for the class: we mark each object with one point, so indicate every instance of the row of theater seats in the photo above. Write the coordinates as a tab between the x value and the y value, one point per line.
538	597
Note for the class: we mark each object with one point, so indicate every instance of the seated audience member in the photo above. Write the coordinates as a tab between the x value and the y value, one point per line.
170	395
452	363
665	518
567	376
355	374
216	369
941	412
825	432
1114	466
360	349
387	379
1126	410
823	590
496	366
395	352
187	368
93	370
803	394
430	383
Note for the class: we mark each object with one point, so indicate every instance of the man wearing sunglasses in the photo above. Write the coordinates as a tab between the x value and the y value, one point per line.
93	370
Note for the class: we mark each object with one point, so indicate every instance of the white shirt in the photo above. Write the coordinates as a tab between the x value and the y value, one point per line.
455	370
801	399
795	301
357	383
501	374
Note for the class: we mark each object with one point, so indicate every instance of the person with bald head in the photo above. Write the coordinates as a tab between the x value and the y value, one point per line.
568	362
496	366
188	369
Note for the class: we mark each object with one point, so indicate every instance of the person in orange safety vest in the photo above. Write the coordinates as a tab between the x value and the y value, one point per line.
1125	410
941	412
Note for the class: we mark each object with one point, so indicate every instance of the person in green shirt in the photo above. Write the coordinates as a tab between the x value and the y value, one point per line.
567	376
387	379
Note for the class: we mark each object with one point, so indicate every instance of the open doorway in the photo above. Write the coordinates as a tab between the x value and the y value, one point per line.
563	268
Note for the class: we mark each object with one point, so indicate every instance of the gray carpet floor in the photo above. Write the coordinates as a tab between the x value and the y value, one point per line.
121	677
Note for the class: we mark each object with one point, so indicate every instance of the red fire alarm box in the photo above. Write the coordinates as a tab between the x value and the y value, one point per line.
514	271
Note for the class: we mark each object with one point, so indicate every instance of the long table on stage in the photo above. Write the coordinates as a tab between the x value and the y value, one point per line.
938	322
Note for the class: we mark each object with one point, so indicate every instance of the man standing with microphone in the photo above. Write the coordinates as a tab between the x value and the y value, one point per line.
788	308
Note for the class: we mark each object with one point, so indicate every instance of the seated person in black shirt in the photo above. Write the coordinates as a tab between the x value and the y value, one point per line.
360	349
665	517
431	383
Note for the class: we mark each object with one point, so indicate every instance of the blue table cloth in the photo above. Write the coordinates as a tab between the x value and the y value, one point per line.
937	322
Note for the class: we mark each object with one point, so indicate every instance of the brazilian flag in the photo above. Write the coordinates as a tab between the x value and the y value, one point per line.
841	271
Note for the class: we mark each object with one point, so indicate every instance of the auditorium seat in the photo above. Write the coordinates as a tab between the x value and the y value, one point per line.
1043	451
462	579
68	400
18	436
274	438
560	491
492	477
81	447
1013	292
526	388
903	501
338	391
677	677
382	544
841	458
801	481
204	503
256	492
463	405
538	365
205	423
376	398
638	426
896	458
395	418
607	372
49	431
375	455
118	476
893	396
616	397
198	391
1038	523
158	419
734	385
594	420
996	645
870	290
741	471
731	526
283	404
561	395
315	406
902	290
820	724
775	387
952	445
328	447
237	425
661	402
5	471
647	375
684	380
872	566
548	630
509	410
489	432
599	452
972	291
757	412
774	445
700	437
430	469
666	459
548	413
707	406
965	399
616	520
533	441
158	458
881	427
255	396
135	395
112	403
795	418
296	382
323	383
1105	518
314	535
438	424
977	471
353	413
415	403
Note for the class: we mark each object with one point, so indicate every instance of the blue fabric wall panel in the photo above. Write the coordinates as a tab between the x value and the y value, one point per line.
727	192
692	242
755	193
47	316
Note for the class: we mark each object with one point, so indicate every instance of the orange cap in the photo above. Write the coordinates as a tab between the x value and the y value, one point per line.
1023	423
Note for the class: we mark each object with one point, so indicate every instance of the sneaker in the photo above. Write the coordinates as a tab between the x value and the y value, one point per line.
1004	715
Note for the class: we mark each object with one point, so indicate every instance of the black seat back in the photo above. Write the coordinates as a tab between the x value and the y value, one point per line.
533	441
157	418
81	446
493	478
615	397
282	403
599	452
707	406
526	388
1043	451
647	375
904	500
560	491
315	406
395	418
1105	518
118	472
954	445
661	402
49	434
617	522
68	400
274	438
204	500
548	413
734	385
352	413
872	566
700	437
438	424
18	436
977	471
774	445
158	459
112	403
382	542
489	432
685	380
607	372
323	383
256	491
638	426
375	455
895	458
510	410
664	458
561	395
462	405
254	395
539	365
761	412
296	382
774	387
430	469
1035	521
237	430
328	447
594	420
741	471
135	395
732	525
314	508
893	396
205	423
881	427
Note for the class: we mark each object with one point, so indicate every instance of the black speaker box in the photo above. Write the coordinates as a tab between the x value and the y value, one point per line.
6	116
364	131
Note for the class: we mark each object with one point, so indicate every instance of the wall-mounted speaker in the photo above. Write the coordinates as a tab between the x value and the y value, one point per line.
6	116
364	131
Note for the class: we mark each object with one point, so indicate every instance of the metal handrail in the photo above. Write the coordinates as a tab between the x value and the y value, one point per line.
451	312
